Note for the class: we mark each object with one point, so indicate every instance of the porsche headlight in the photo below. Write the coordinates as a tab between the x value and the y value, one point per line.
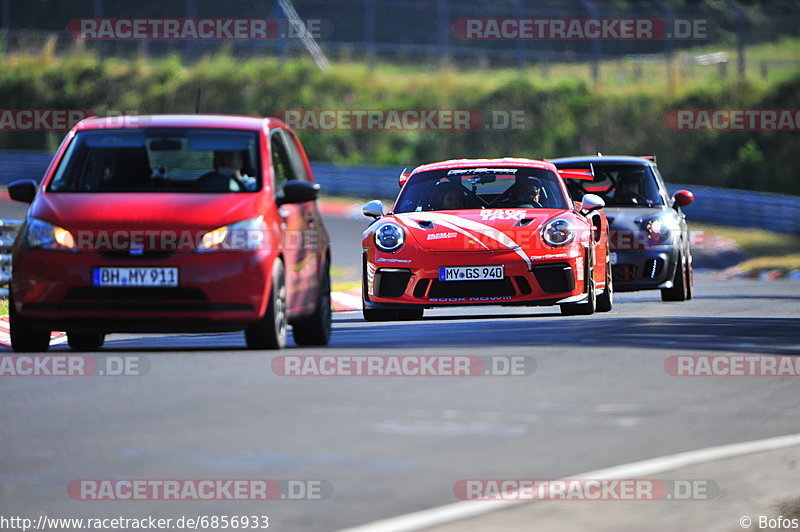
657	230
39	234
558	232
240	236
389	237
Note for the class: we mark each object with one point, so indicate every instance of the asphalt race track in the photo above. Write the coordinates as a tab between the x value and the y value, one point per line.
207	408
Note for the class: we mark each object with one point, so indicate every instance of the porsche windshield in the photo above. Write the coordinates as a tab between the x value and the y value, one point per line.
482	188
159	160
627	185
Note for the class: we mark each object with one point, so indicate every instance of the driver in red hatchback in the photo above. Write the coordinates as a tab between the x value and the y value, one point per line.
129	231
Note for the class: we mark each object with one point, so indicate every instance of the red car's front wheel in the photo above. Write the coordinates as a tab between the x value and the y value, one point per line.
270	331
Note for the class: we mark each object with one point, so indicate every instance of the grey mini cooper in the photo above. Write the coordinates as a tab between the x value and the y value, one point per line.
648	235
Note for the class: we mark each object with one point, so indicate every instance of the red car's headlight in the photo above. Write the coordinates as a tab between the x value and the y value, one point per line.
389	237
39	234
246	235
558	232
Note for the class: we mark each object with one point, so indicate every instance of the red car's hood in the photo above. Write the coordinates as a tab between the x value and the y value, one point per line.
475	230
154	211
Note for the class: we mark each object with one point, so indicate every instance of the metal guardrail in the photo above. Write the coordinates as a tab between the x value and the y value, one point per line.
8	232
721	206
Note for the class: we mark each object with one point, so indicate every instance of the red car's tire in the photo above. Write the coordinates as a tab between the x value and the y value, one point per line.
25	337
606	300
380	314
270	331
588	307
85	341
316	329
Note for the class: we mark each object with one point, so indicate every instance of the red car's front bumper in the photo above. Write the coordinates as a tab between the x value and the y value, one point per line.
216	291
391	282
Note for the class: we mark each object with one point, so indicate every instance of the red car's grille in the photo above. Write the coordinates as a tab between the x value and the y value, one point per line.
151	299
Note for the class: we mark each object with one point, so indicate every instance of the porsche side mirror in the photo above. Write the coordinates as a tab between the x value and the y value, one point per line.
592	202
373	209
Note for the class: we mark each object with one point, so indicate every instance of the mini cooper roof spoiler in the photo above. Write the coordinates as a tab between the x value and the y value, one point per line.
649	158
577	173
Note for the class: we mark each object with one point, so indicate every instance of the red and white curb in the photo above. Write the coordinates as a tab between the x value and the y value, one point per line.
350	300
56	337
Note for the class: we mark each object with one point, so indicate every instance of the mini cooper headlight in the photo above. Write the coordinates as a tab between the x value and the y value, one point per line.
657	230
242	236
389	237
43	235
558	232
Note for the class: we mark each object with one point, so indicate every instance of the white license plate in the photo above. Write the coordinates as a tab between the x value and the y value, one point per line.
146	276
613	257
471	273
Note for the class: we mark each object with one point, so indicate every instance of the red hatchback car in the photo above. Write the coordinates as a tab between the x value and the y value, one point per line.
172	223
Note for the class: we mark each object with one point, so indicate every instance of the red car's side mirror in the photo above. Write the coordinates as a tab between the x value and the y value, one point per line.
683	198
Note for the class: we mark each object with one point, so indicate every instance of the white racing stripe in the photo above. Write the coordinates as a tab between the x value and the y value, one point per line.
465	509
460	224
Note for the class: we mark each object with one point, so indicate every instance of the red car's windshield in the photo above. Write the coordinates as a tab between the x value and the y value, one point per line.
159	160
479	188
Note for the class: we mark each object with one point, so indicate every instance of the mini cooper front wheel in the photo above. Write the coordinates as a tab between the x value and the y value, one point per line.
679	290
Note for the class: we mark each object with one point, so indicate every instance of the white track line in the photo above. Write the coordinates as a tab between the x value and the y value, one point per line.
465	509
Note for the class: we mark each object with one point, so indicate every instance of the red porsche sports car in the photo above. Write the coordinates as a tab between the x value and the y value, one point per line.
486	231
172	223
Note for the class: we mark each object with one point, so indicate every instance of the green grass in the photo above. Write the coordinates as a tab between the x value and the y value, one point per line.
785	263
755	242
768	250
4	307
627	76
345	286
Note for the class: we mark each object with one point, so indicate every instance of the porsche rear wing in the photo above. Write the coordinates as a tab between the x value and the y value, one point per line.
577	173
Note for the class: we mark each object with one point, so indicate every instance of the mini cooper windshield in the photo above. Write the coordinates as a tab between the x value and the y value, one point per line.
159	160
624	185
482	188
